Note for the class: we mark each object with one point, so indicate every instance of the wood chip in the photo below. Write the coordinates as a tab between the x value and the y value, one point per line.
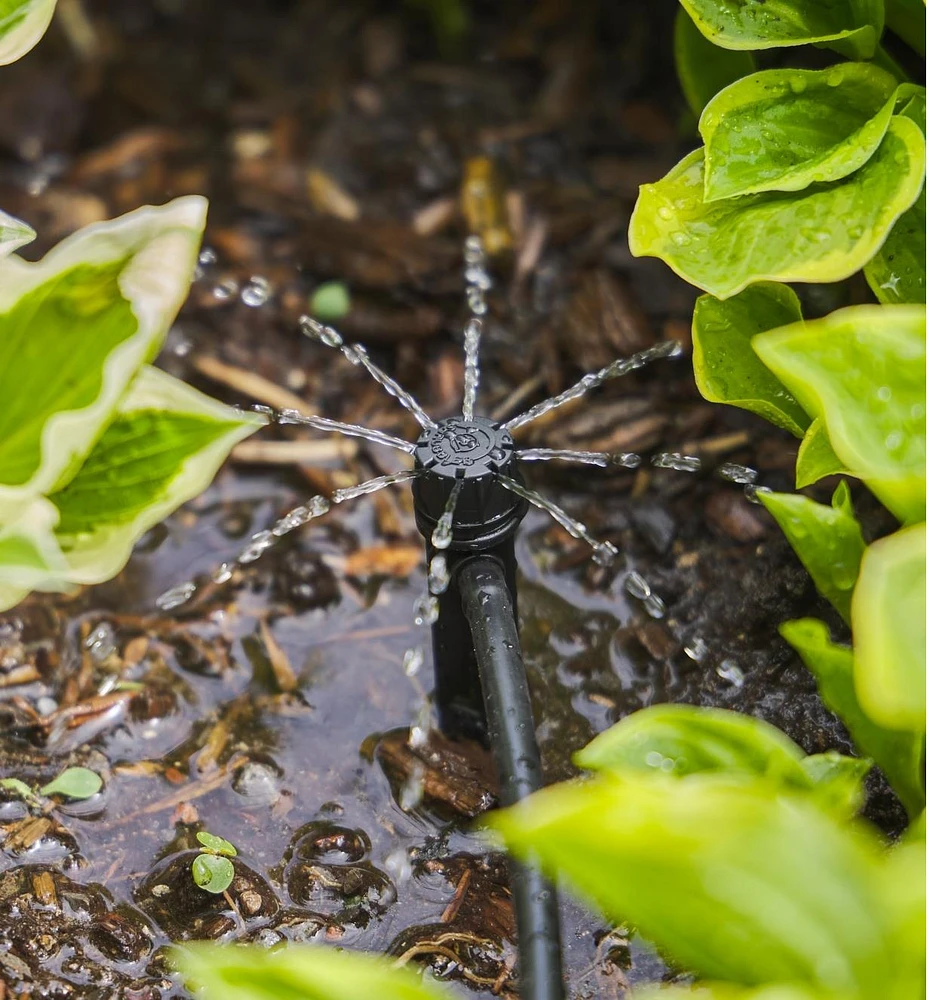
390	560
249	384
327	196
284	674
301	452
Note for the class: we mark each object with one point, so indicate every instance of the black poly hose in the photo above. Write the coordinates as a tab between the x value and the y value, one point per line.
487	605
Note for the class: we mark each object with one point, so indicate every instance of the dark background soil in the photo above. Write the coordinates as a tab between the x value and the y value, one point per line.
332	140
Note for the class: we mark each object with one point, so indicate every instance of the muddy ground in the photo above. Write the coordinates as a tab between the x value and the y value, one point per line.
332	139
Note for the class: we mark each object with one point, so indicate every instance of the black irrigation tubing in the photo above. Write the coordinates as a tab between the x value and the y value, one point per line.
488	607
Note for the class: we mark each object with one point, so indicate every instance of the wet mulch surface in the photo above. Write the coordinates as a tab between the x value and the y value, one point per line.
333	139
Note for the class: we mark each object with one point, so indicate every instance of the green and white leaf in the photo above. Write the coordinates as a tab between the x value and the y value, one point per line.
30	556
164	446
823	233
14	233
816	458
852	27
74	329
898	753
827	539
732	879
896	273
22	24
702	68
860	370
889	635
727	369
252	972
783	129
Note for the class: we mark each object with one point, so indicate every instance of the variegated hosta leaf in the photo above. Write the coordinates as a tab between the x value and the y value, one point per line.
22	24
896	273
860	371
30	557
163	448
852	27
783	129
888	629
824	232
74	329
14	233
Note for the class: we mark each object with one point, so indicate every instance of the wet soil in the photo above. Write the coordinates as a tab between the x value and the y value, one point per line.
333	139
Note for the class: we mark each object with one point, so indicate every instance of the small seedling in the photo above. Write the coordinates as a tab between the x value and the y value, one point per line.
73	783
330	301
212	869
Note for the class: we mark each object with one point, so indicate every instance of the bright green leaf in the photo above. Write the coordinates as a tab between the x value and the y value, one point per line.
213	873
852	27
889	635
783	129
727	369
861	371
827	540
899	754
14	233
904	887
896	273
18	787
22	24
252	972
816	458
731	879
163	448
725	991
680	740
217	845
825	232
75	783
838	780
330	301
702	69
906	19
684	739
74	329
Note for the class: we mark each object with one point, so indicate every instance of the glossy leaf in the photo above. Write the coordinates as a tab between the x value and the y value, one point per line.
827	540
896	273
22	24
861	371
889	635
899	754
783	129
852	27
816	458
681	740
252	972
838	780
74	329
702	68
727	369
216	845
213	873
162	449
74	783
14	233
825	232
906	19
733	881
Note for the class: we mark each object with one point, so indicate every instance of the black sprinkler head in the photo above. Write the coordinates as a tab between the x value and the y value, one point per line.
472	453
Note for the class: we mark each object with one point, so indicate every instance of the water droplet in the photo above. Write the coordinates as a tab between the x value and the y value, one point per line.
176	596
256	292
798	84
224	290
696	649
665	212
223	573
438	576
729	671
425	610
258	545
653	758
681	239
207	257
412	660
894	440
674	460
637	586
101	643
735	473
884	393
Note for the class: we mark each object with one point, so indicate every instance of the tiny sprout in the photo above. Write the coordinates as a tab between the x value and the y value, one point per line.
212	869
211	844
330	301
72	783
